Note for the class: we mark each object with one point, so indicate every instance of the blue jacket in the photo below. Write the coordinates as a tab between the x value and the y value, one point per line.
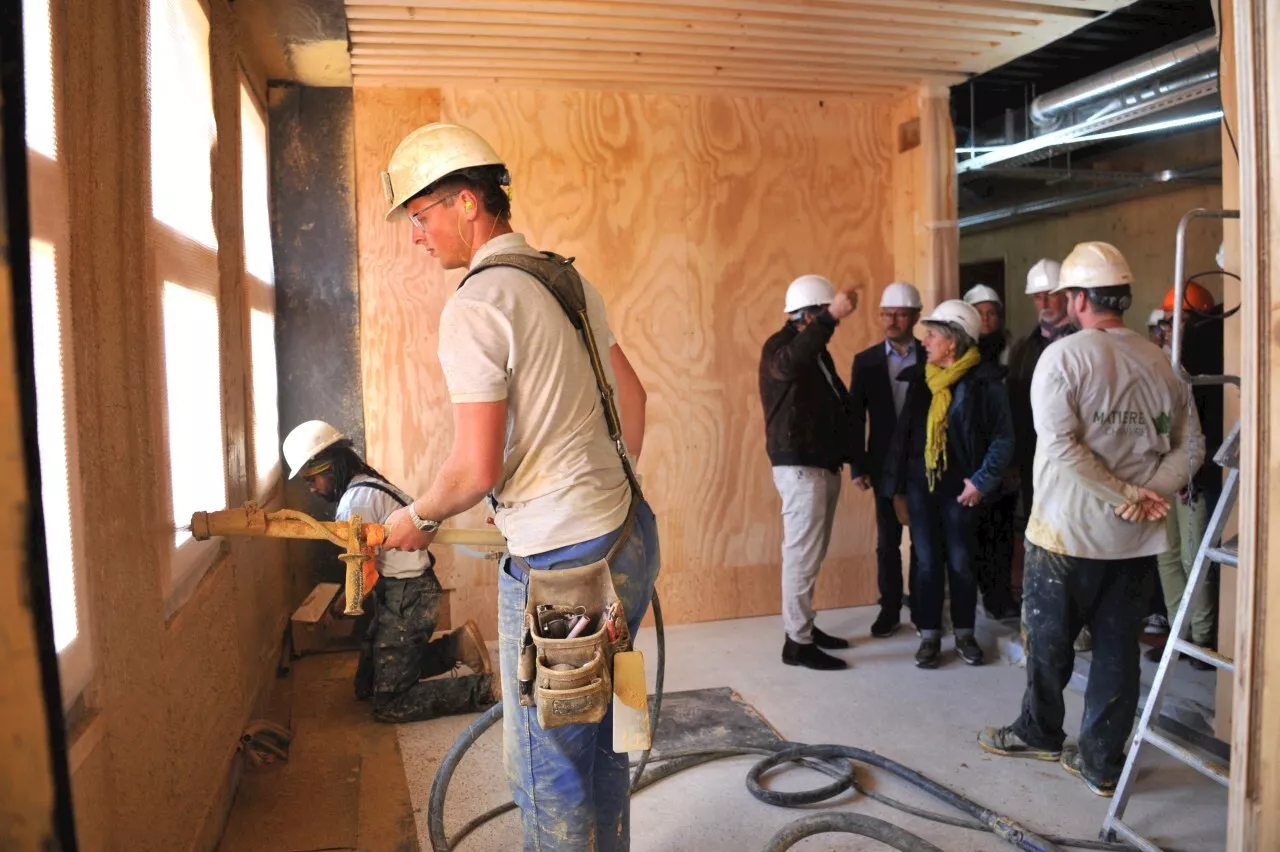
979	427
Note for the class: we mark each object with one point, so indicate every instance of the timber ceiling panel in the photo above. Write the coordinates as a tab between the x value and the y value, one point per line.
821	47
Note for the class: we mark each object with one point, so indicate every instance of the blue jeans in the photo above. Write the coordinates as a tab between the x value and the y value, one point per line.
571	787
942	533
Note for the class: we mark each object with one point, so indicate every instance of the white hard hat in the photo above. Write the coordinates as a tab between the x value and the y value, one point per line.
1157	316
1221	256
428	154
1043	277
900	294
1094	264
957	312
808	290
980	293
306	441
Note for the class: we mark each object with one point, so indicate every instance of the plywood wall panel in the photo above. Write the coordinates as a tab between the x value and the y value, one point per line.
691	215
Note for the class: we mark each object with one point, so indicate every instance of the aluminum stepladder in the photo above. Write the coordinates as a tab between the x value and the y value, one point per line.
1212	549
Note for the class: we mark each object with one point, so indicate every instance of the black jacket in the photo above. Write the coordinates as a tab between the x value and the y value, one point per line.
979	430
870	396
1202	356
806	416
1022	366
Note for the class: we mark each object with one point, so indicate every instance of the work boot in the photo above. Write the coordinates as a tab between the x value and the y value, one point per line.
886	624
826	640
929	654
969	649
1004	742
1084	641
809	656
1071	762
470	650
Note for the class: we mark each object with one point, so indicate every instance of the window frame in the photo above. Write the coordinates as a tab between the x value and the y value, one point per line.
49	219
186	262
259	295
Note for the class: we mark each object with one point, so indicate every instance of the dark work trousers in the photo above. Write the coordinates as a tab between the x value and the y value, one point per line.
889	557
398	652
1061	594
942	533
993	553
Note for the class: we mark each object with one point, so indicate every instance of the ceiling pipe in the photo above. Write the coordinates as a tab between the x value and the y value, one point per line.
1048	109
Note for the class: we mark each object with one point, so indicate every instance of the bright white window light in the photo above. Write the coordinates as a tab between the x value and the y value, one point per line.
254	189
193	382
182	126
51	433
37	69
266	420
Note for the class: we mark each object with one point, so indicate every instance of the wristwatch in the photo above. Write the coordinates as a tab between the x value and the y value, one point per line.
423	525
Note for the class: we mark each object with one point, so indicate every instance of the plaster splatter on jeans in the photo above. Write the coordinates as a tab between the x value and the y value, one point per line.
1061	594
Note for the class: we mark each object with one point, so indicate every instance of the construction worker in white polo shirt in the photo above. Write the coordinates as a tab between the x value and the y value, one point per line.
535	424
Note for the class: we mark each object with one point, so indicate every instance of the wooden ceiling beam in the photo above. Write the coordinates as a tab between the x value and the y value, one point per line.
654	88
627	55
604	14
907	50
583	71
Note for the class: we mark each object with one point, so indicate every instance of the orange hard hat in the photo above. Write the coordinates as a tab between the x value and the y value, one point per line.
1196	298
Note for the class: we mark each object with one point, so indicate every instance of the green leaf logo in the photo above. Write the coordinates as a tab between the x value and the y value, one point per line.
1163	422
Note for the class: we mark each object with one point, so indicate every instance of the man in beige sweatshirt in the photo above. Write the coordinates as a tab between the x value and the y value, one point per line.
1117	438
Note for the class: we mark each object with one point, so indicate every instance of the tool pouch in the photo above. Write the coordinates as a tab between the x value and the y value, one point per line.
569	681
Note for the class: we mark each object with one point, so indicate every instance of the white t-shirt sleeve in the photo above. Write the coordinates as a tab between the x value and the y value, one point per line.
475	351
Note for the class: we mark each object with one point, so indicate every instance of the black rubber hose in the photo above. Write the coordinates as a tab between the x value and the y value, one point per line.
846	823
820	758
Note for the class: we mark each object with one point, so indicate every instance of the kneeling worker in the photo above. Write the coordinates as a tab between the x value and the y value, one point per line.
397	653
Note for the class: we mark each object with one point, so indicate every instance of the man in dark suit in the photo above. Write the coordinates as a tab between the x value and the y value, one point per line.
875	393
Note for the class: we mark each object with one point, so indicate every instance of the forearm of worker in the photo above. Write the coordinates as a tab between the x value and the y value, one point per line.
1185	456
1000	450
631	400
804	347
474	463
1057	426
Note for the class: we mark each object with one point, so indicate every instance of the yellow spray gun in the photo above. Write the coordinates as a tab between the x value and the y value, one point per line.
361	540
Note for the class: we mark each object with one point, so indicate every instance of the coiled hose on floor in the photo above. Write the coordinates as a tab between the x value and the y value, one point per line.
836	761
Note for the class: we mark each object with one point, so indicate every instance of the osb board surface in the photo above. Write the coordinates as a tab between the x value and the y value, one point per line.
691	215
1143	229
821	47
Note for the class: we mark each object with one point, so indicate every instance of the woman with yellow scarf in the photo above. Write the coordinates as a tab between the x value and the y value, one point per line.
954	441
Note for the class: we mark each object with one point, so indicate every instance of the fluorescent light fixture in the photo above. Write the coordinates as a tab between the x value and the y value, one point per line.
1060	137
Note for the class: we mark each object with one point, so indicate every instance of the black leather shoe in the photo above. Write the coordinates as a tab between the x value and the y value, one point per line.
886	624
826	640
930	653
795	654
969	650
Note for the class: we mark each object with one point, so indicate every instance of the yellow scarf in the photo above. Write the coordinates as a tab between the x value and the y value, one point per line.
940	380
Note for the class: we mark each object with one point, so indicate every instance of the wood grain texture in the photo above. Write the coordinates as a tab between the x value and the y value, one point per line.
691	214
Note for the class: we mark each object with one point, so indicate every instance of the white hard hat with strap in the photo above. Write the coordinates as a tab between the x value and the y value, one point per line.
305	442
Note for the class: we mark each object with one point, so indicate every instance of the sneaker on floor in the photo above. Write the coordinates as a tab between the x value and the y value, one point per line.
1084	642
1004	742
1156	624
810	656
969	650
886	624
929	654
470	650
826	640
1071	762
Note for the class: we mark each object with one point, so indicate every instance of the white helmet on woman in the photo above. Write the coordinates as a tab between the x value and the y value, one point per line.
305	442
959	314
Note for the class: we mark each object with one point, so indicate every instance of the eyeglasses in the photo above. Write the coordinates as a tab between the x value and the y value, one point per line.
416	219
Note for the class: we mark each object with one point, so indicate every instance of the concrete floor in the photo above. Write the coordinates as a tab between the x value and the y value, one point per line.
925	719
